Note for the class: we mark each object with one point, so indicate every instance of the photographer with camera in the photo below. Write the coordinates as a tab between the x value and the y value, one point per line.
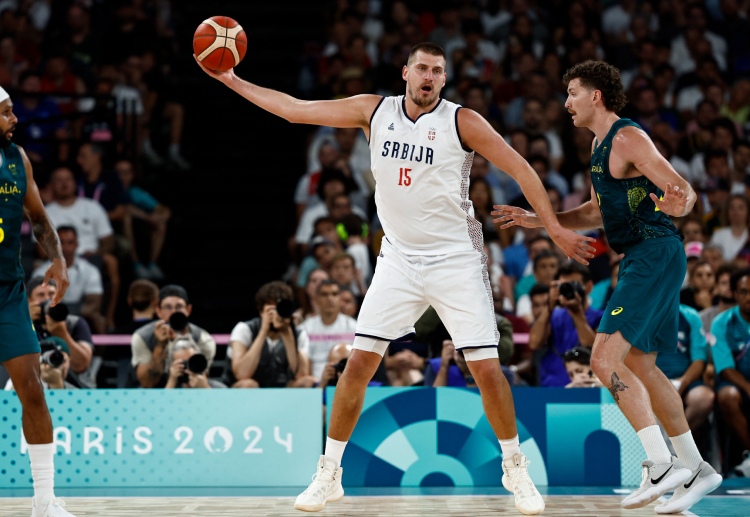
565	322
56	321
153	343
264	352
188	367
54	364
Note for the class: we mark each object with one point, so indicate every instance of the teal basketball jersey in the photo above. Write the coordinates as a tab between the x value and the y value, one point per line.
12	193
629	214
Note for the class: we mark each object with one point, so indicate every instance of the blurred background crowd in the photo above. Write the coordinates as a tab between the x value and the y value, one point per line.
113	115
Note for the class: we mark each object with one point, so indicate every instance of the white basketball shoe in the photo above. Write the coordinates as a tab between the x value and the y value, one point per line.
49	506
657	479
703	480
325	488
516	479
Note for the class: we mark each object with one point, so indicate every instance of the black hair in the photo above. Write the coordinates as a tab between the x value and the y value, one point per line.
571	267
737	276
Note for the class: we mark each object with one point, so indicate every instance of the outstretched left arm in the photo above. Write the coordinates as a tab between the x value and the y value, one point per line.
634	146
45	233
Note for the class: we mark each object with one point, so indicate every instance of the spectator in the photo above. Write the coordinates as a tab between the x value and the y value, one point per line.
54	376
306	296
449	369
350	303
713	254
566	322
732	237
723	298
101	185
325	232
143	207
306	192
264	351
143	299
546	265
151	344
729	332
355	233
578	365
693	231
84	294
326	329
686	365
72	329
188	367
337	359
96	242
699	292
344	272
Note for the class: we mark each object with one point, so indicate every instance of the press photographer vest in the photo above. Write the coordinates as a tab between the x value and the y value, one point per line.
12	192
273	369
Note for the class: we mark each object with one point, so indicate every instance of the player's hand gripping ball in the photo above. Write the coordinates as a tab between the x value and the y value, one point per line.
219	43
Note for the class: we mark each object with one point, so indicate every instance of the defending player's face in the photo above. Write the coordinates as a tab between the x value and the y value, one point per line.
7	122
579	102
424	77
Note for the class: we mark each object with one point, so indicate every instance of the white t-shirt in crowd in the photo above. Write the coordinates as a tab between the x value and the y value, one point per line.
322	338
87	216
242	333
730	244
84	277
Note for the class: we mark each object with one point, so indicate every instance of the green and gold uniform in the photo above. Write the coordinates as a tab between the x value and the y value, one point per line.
17	335
645	305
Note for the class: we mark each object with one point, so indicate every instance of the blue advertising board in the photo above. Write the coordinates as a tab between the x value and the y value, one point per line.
171	438
440	437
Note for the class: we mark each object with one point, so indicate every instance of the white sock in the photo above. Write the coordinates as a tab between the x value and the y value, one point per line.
335	450
42	457
510	447
686	450
656	448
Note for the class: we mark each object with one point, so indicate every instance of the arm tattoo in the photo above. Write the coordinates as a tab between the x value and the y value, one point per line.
47	237
617	385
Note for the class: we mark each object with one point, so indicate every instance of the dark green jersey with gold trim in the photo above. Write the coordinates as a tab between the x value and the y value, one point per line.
12	194
629	214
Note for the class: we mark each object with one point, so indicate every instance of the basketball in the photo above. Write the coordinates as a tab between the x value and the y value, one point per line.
219	43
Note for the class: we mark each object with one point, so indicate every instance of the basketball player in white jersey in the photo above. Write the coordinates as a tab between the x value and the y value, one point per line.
432	253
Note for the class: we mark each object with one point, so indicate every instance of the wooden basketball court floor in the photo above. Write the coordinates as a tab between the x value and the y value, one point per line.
578	502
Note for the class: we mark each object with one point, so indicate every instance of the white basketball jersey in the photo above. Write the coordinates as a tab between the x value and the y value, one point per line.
421	172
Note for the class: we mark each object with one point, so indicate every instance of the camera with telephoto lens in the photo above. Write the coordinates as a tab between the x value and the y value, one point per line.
51	355
285	308
569	290
178	321
196	364
339	367
58	313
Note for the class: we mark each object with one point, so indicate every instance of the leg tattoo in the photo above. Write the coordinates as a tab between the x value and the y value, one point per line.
617	385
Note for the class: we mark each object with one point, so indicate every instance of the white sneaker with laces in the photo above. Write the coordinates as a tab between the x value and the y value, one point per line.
516	479
49	506
325	488
657	479
703	480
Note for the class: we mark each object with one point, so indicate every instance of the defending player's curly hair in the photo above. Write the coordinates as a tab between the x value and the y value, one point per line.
598	75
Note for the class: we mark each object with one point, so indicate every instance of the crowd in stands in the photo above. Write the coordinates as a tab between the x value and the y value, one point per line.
686	70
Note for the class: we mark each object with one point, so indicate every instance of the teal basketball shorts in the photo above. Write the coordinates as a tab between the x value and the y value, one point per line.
645	304
17	334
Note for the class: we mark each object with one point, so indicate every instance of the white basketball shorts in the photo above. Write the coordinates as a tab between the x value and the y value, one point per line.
457	286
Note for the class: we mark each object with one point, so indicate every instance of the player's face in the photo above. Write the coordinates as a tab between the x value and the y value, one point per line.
7	122
579	103
425	77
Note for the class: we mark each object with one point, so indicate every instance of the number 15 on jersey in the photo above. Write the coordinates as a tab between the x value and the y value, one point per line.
403	177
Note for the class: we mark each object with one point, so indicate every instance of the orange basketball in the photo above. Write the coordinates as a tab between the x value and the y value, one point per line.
219	43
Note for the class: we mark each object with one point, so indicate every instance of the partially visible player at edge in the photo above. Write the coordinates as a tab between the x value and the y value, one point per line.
634	191
19	345
432	254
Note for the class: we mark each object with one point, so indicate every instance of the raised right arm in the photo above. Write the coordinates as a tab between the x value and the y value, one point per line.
353	111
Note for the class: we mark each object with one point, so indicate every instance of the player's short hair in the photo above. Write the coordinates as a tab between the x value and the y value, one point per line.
598	75
426	47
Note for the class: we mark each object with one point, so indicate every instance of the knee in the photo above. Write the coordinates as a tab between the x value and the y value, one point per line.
30	392
601	366
702	399
361	366
729	400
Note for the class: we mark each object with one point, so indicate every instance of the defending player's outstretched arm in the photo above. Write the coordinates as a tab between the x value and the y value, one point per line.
44	232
